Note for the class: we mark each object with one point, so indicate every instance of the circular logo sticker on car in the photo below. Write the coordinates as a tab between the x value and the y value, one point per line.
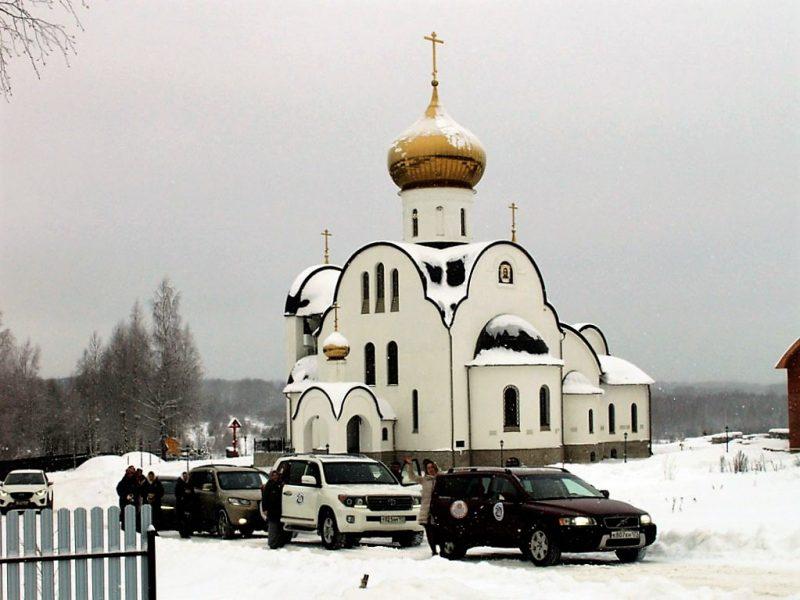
499	511
459	509
300	498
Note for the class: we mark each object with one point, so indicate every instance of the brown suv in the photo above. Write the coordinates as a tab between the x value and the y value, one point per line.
225	498
541	511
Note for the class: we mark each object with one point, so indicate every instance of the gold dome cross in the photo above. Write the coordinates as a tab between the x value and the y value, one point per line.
434	40
326	256
514	208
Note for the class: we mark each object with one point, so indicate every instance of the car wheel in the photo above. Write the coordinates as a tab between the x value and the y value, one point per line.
544	550
629	555
332	538
224	527
407	539
452	550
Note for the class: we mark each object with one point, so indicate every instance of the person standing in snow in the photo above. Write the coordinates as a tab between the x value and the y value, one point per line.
427	481
152	493
127	491
183	504
271	500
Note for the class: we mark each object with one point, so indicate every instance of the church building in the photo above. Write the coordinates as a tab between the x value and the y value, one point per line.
444	347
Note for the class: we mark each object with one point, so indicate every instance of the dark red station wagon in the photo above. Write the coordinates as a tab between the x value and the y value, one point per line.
541	511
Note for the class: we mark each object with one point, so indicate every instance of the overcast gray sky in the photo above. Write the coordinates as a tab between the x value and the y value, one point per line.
653	148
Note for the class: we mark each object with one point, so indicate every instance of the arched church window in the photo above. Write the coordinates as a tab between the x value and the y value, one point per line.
391	363
364	293
414	223
511	409
395	306
613	453
592	457
415	412
591	421
463	222
634	418
440	220
544	407
385	434
380	288
505	274
369	364
612	419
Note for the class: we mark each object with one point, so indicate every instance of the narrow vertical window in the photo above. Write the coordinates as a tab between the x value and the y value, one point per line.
612	424
544	407
414	223
511	409
591	421
395	291
385	435
379	288
364	293
415	412
391	364
634	418
369	364
463	222
440	220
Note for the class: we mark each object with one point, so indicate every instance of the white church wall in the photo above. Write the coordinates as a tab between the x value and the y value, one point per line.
421	339
623	396
578	356
438	214
313	421
487	385
576	418
488	298
359	403
292	341
595	338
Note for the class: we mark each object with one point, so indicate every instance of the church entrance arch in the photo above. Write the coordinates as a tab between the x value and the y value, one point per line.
358	435
315	434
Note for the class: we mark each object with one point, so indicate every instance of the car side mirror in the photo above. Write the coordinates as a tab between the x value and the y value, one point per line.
49	483
308	480
605	493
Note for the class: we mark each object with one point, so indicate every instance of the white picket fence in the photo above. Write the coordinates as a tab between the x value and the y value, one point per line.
109	563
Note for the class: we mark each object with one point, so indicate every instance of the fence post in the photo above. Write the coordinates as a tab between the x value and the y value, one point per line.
81	565
48	581
151	564
1	553
98	569
64	566
114	579
12	549
146	522
29	549
130	561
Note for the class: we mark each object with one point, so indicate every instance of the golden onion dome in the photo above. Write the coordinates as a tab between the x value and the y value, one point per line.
336	346
436	152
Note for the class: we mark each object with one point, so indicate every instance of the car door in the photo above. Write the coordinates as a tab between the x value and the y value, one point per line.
503	514
300	502
205	496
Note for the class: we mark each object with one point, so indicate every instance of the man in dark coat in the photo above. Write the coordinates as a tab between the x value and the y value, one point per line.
152	493
127	491
271	499
183	504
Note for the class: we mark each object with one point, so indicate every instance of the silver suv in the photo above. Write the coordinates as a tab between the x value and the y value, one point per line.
345	498
25	489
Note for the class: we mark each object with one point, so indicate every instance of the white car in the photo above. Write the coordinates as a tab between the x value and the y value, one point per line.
25	489
345	498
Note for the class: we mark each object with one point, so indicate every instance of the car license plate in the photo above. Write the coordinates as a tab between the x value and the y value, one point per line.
624	534
392	520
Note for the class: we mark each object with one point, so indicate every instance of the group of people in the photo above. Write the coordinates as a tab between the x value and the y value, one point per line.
134	489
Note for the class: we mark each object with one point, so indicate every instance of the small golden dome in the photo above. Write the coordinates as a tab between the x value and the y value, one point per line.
336	346
436	152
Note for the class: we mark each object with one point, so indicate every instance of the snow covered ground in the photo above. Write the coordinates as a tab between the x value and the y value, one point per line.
721	535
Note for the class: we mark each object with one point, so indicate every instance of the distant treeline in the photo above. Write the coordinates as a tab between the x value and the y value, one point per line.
686	410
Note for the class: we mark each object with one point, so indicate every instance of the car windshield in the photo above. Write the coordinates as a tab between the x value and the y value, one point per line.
357	472
558	486
24	479
169	485
239	480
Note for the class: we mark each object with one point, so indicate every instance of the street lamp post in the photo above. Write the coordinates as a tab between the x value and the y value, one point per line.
625	447
501	453
726	439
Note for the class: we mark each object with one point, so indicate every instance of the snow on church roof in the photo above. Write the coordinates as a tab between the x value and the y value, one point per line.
511	340
337	392
311	292
446	272
500	357
576	382
305	369
618	371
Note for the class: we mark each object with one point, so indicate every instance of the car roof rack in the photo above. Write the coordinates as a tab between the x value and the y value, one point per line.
507	470
325	454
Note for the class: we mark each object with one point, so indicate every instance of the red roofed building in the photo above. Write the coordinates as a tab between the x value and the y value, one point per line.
791	362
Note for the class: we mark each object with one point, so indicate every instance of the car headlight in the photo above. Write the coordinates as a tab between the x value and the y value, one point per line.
3	493
416	500
645	520
576	521
351	501
41	493
239	501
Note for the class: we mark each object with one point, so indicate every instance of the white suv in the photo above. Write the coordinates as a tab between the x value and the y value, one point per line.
25	489
345	498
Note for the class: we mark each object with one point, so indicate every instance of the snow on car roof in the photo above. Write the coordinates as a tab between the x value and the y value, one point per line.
618	371
26	471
